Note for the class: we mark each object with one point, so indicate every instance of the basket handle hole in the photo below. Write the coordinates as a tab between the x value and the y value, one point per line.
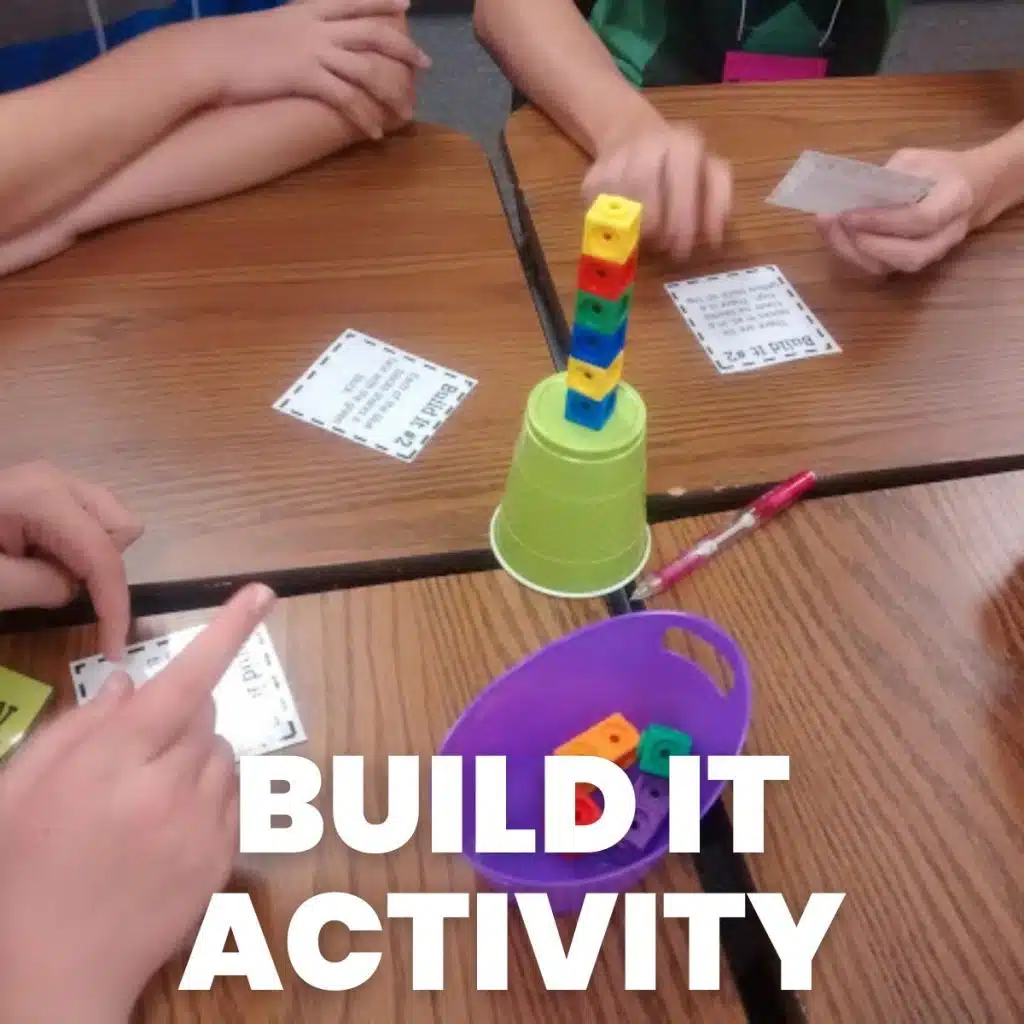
699	652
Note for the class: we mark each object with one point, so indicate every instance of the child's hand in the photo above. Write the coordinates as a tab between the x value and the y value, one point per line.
119	821
58	532
686	191
396	80
906	239
329	50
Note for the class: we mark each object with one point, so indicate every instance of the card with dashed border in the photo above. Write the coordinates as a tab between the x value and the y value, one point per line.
254	708
750	319
376	395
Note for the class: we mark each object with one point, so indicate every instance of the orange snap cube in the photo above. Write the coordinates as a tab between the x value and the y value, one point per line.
615	739
579	746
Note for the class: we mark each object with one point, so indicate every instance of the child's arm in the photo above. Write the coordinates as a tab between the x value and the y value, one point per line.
215	154
223	151
1001	165
549	51
64	136
71	133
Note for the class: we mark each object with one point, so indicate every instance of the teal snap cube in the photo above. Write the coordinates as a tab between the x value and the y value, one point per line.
657	744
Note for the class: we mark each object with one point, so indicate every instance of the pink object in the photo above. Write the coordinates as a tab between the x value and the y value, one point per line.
766	67
777	500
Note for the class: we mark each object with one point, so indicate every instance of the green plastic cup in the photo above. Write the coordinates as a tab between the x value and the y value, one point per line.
573	519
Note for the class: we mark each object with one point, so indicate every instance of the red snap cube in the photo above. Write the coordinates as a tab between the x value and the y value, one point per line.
587	811
606	279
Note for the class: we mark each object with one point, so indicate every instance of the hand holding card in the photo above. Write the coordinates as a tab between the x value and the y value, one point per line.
832	185
119	820
909	237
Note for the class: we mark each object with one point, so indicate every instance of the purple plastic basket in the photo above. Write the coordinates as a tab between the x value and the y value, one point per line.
619	665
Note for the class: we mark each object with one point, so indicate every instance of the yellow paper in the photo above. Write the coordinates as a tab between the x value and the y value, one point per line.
21	702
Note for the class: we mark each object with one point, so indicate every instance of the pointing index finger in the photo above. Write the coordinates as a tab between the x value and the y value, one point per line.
167	706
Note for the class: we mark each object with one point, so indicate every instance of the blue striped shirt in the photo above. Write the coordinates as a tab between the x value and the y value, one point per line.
40	39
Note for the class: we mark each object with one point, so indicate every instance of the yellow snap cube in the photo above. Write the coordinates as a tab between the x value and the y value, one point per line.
611	230
594	381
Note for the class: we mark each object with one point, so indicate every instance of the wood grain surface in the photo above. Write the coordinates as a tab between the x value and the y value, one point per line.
148	358
929	373
885	635
381	671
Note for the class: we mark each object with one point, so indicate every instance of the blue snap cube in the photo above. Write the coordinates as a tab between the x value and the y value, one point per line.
596	347
587	412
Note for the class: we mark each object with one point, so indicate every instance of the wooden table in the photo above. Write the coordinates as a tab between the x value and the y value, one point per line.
381	671
149	357
885	633
929	376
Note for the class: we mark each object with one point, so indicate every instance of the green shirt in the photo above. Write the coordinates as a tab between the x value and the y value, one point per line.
682	42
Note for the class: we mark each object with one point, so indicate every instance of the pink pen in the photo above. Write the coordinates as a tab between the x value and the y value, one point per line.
769	505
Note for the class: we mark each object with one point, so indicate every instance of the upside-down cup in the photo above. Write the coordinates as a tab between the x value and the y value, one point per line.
573	519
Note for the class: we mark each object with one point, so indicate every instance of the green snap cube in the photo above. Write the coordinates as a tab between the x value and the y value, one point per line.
657	744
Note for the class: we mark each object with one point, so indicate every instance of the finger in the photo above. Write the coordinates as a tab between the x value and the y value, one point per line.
167	705
909	256
717	199
54	740
123	527
229	839
910	160
333	10
668	200
842	245
61	528
185	759
31	583
679	181
639	180
216	794
605	176
364	72
374	35
12	536
217	784
949	200
354	104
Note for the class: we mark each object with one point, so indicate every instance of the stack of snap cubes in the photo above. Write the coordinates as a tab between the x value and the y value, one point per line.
607	269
